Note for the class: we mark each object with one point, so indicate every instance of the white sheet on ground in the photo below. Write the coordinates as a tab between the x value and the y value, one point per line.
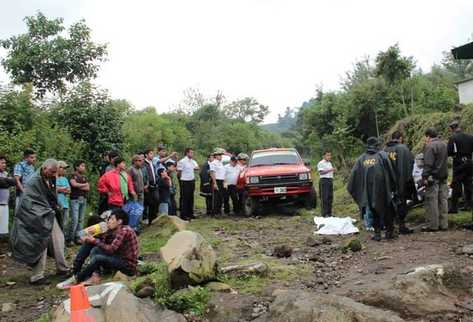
335	226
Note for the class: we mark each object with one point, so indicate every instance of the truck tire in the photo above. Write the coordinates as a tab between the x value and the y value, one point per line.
250	205
310	199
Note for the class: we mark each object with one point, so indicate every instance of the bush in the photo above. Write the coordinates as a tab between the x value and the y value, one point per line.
192	301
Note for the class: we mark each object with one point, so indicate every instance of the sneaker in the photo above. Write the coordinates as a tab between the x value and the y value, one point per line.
93	280
67	283
41	281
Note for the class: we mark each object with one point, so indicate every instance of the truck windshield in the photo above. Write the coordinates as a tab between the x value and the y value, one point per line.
274	158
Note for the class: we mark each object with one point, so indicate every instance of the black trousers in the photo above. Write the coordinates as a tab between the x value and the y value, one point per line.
151	204
462	183
172	205
231	193
218	195
326	196
187	199
387	219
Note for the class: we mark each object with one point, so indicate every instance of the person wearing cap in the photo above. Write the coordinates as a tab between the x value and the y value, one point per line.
434	178
403	162
372	185
242	161
186	168
460	148
217	173
63	190
232	172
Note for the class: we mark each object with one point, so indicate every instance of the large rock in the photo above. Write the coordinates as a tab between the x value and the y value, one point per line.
176	222
190	259
427	290
299	306
114	302
230	308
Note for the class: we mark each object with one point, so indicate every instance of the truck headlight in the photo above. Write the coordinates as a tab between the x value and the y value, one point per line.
304	176
254	179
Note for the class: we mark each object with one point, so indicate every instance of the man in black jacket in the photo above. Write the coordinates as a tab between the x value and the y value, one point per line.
206	184
403	162
460	148
372	185
434	177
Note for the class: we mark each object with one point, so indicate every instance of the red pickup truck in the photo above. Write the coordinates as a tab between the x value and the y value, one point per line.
276	175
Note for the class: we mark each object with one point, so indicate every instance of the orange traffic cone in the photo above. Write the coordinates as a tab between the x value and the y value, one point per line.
80	304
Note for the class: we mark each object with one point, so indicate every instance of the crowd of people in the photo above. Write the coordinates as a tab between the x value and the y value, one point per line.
383	182
50	206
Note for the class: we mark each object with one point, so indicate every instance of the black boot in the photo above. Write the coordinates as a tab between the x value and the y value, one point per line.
377	235
390	234
403	230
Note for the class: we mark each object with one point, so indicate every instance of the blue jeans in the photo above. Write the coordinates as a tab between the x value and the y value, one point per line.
78	207
99	260
164	208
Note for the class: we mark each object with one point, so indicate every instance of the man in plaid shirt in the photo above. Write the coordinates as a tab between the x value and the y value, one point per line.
116	250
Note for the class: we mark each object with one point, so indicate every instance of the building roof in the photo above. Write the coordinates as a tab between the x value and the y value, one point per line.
463	52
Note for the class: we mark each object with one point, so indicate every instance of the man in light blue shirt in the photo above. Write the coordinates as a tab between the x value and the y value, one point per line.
23	172
63	191
162	157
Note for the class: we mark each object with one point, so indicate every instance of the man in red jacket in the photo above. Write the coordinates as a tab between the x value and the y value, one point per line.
117	184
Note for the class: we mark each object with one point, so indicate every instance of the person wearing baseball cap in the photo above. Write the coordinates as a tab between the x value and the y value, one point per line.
460	148
217	173
63	190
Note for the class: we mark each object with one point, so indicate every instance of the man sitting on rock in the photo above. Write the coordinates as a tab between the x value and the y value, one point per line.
117	250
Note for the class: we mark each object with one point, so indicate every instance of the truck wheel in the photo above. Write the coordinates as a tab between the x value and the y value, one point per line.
250	205
310	199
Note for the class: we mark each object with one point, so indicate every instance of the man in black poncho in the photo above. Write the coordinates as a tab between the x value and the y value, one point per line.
403	162
372	185
37	222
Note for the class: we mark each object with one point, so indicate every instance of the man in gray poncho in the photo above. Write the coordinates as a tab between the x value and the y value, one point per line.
38	222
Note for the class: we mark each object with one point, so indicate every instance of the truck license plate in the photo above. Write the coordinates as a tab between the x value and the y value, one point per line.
280	190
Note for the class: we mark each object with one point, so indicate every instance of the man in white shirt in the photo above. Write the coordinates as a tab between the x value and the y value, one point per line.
326	171
186	168
217	173
232	172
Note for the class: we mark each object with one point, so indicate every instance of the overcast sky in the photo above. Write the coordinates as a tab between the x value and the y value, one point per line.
277	51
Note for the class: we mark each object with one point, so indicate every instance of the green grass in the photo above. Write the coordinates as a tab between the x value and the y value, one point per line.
417	216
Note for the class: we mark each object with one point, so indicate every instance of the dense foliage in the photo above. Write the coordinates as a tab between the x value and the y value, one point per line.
375	96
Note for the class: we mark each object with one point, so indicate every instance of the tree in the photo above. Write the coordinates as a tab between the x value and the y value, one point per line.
461	68
247	110
17	109
362	71
393	67
395	70
92	117
48	59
